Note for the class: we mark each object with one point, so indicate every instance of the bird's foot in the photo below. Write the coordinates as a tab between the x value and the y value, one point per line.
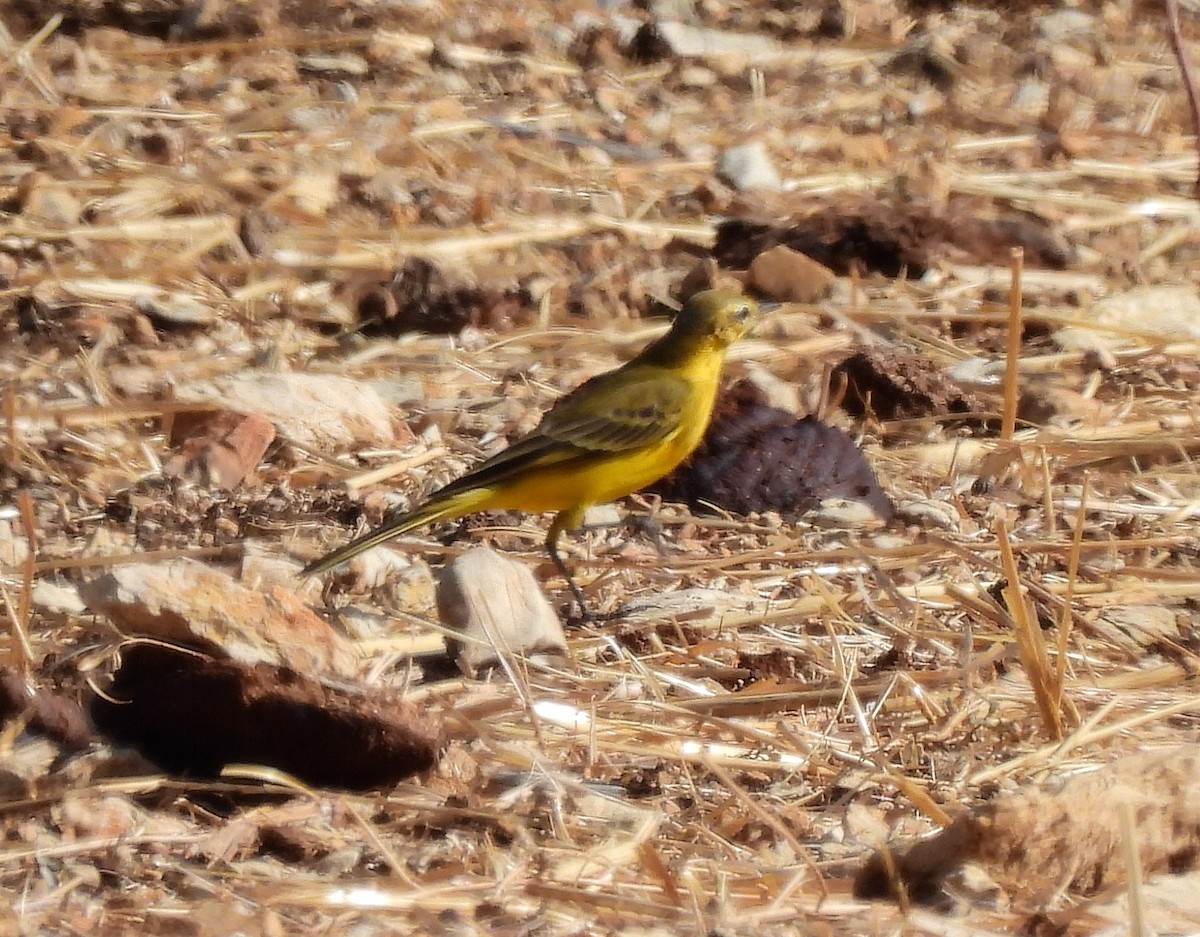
637	523
589	616
650	527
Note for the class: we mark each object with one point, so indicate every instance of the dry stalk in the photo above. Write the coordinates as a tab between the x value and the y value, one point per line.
1133	865
1030	641
20	652
1065	620
1012	361
919	797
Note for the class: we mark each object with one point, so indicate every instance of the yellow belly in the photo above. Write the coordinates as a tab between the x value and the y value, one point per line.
594	478
591	480
603	476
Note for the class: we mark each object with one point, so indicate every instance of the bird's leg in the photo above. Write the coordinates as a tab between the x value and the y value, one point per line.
566	520
561	522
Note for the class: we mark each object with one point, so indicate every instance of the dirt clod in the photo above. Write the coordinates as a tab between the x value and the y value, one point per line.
759	458
892	387
49	711
1038	841
873	237
194	714
419	297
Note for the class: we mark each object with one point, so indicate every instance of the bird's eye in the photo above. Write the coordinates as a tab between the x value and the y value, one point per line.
741	312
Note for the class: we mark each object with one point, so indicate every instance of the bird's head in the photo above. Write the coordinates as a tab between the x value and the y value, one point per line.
719	316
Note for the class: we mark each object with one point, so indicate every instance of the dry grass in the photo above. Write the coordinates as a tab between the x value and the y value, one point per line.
726	765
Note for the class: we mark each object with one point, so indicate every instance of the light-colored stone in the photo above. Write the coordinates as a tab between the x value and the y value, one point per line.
346	65
495	604
14	546
843	513
1065	25
372	569
703	42
929	513
1155	313
57	597
187	602
747	167
176	309
51	204
697	76
413	588
319	411
778	393
316	192
603	515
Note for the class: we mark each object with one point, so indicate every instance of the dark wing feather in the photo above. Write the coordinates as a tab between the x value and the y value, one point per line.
636	411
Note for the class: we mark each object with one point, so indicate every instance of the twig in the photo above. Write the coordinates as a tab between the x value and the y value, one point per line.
1185	69
1030	643
1133	865
1066	620
1012	362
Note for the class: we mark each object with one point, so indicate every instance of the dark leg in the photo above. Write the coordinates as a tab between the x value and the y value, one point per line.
560	523
565	521
648	526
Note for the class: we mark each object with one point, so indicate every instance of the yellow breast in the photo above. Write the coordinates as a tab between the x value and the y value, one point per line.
606	476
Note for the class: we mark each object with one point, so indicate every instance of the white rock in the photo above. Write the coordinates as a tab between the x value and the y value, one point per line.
927	512
57	597
319	411
841	513
176	309
980	373
748	166
700	41
372	569
1031	96
495	604
187	602
603	515
346	64
1170	313
697	76
779	393
14	546
1065	25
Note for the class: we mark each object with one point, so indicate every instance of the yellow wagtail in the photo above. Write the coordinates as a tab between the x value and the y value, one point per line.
614	434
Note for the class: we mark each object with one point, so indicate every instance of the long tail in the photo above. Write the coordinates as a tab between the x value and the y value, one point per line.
435	509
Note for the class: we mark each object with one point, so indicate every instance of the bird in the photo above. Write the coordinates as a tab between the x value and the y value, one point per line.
614	434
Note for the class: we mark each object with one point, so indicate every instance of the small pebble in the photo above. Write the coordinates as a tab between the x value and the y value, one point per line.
748	167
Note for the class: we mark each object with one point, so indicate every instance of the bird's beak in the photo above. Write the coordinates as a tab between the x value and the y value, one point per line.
765	307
